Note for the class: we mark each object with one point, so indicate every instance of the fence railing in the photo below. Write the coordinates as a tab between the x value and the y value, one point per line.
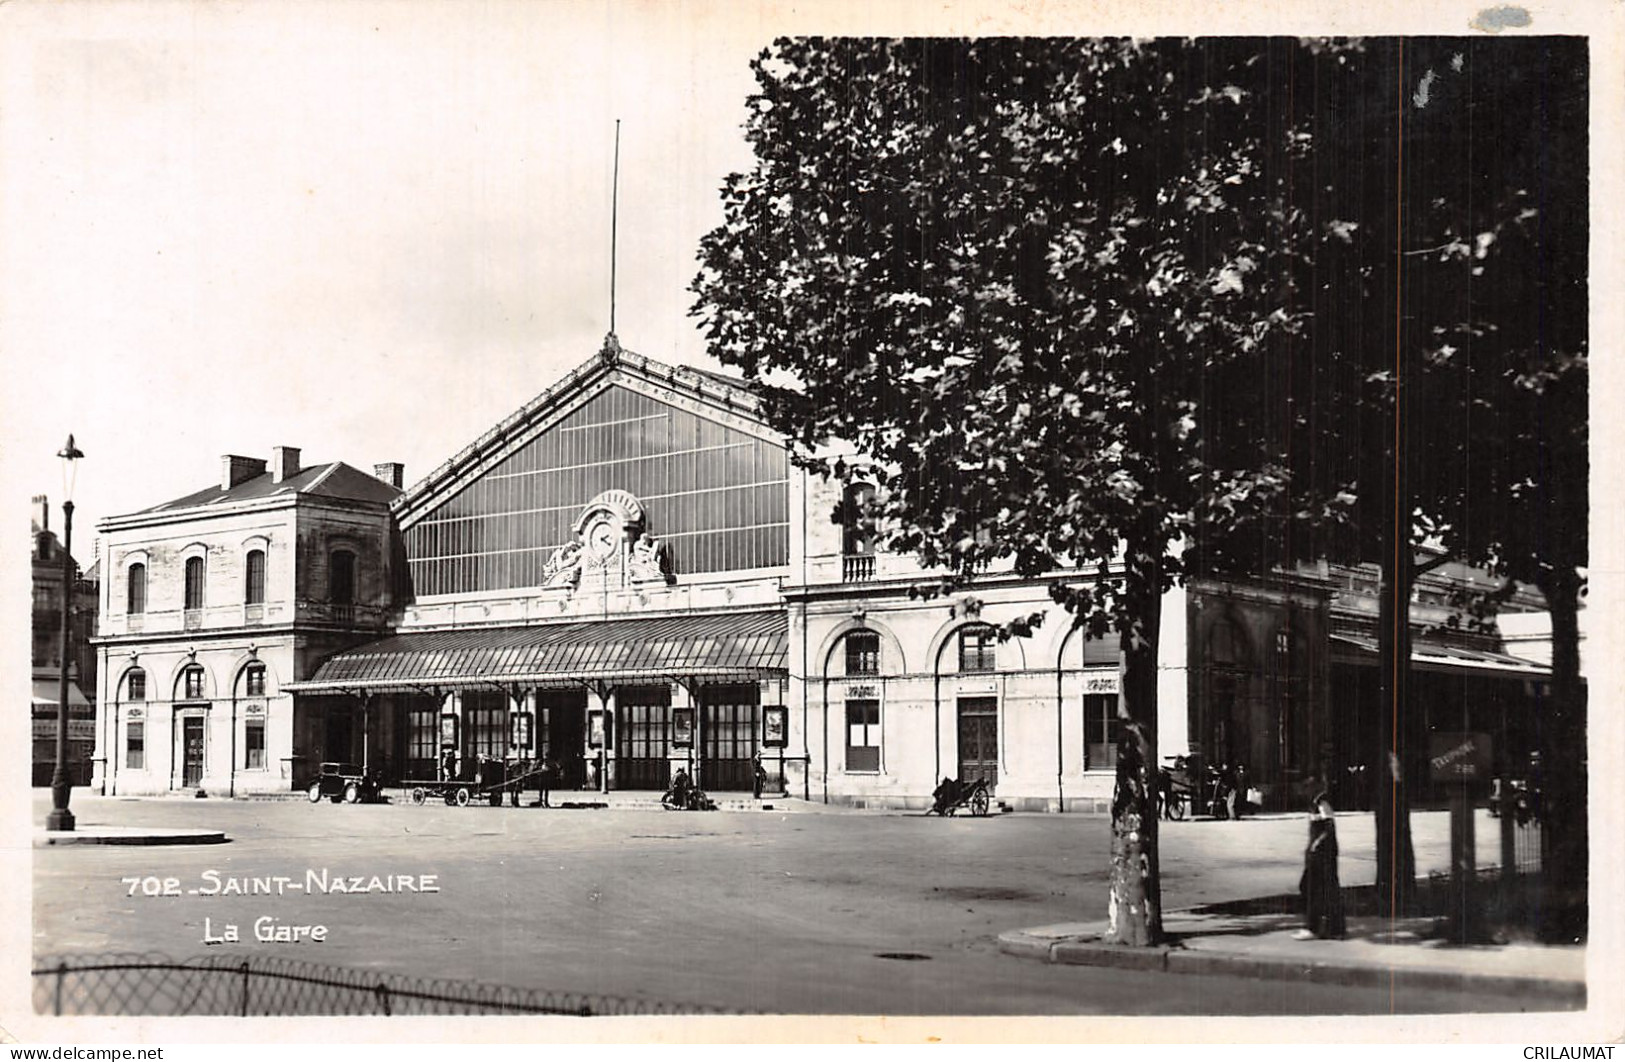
156	985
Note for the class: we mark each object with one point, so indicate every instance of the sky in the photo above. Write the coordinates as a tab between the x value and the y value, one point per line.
367	231
373	230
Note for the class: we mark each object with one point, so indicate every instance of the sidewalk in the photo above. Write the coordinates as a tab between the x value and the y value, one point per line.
1404	954
130	835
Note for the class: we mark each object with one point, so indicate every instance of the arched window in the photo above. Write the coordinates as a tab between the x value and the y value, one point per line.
1291	694
862	653
1229	737
136	590
254	577
194	583
978	648
192	683
341	577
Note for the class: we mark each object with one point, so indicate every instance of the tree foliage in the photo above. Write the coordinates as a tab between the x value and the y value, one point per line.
1115	312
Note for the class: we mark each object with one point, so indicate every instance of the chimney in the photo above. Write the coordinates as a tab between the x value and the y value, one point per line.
391	472
284	463
235	470
42	509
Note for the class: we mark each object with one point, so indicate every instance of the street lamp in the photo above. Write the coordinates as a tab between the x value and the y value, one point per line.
60	817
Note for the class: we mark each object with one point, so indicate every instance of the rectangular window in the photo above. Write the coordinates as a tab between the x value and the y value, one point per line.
863	653
254	579
138	685
136	601
194	684
1100	725
863	735
254	744
254	682
423	742
135	745
485	722
977	649
194	583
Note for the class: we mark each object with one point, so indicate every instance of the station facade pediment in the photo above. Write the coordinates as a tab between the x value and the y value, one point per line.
613	479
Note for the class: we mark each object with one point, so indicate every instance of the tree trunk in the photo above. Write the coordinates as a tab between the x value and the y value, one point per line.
1398	747
1563	769
1134	914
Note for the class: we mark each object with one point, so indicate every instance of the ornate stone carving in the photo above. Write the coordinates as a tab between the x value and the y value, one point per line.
611	549
648	563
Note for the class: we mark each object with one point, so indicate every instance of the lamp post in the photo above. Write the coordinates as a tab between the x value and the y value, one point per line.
60	817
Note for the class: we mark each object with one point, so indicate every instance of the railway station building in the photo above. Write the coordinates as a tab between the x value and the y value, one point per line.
628	577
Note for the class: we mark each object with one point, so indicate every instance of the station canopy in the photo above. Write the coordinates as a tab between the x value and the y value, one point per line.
1430	655
694	646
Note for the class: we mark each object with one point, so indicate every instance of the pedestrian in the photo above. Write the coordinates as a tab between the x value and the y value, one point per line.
758	776
1322	894
548	770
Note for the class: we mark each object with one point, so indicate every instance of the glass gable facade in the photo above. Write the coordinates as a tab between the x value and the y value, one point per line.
717	498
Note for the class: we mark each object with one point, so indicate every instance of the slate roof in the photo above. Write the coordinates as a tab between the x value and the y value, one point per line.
333	480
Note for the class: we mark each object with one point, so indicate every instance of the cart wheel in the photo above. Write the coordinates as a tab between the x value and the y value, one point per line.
978	803
463	796
419	795
1176	807
315	792
451	800
496	799
352	794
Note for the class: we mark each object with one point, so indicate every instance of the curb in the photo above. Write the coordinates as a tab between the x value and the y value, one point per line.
66	839
1175	959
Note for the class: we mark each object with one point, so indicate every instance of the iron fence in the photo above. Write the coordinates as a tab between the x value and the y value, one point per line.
155	985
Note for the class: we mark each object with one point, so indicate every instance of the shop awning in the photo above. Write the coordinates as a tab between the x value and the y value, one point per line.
45	691
698	646
1434	656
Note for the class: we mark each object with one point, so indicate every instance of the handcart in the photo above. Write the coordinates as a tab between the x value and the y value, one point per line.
952	794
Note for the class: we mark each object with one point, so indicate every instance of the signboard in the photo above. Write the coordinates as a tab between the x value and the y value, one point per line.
78	729
1454	756
519	730
861	692
775	726
448	730
597	729
682	728
1101	682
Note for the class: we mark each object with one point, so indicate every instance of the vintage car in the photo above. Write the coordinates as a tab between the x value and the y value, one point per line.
343	783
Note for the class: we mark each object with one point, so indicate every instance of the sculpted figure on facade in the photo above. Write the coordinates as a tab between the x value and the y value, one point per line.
647	564
564	567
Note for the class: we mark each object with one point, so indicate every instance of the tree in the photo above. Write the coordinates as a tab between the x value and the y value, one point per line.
1466	159
1035	284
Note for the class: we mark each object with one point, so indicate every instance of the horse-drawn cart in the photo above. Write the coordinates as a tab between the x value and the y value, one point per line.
490	780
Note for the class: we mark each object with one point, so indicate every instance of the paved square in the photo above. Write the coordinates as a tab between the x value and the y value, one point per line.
799	912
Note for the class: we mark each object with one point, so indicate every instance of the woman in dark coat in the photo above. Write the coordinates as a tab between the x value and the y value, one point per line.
1322	894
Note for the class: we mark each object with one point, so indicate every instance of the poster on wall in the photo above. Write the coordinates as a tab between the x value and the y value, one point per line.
595	730
448	731
775	726
682	728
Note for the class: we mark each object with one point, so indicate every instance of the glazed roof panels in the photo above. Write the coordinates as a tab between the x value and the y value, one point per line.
702	646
